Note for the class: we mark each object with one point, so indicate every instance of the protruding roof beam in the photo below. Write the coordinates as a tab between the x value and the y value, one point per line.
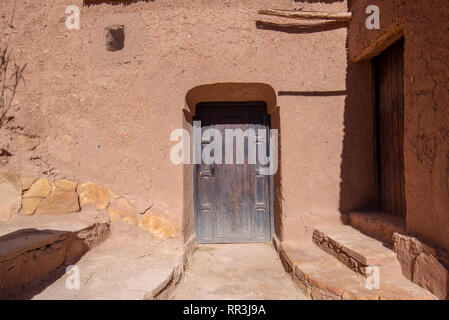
295	14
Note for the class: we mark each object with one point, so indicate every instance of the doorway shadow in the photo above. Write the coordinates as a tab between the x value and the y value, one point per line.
358	185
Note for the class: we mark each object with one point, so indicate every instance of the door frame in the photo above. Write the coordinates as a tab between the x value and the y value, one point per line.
248	104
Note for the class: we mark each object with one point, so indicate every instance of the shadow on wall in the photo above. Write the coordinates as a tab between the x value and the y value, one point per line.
358	178
188	217
113	2
358	189
313	93
32	259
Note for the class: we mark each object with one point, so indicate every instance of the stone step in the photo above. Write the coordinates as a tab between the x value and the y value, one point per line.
129	265
33	247
354	249
321	276
378	225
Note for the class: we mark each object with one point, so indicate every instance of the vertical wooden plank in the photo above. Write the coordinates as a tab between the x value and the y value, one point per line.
392	132
397	95
390	118
401	130
384	111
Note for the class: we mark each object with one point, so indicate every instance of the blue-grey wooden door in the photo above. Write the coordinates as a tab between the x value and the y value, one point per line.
232	201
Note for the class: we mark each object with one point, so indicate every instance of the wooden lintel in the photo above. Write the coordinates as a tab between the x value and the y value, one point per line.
293	14
394	33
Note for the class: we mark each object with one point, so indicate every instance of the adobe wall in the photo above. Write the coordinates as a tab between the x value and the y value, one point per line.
89	114
426	83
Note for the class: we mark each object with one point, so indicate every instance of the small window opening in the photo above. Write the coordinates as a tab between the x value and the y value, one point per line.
115	37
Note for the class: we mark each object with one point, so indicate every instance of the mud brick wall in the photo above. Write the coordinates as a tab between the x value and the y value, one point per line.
426	100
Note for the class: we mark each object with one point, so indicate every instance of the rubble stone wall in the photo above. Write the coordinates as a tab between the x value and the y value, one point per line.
40	196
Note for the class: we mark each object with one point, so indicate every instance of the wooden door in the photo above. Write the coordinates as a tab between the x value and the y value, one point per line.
232	201
389	75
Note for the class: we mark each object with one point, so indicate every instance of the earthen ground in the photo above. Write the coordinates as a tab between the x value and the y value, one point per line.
236	271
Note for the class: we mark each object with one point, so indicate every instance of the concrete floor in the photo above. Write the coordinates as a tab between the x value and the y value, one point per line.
236	271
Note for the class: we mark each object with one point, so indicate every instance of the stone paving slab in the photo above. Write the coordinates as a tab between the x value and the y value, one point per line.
67	223
379	225
35	248
236	271
129	265
367	251
24	233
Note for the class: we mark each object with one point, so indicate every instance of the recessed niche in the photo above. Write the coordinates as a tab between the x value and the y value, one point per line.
115	37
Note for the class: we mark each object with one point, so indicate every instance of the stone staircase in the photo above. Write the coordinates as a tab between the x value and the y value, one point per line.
354	249
115	260
34	248
338	263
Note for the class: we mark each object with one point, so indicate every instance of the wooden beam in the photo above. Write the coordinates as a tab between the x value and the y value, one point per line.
394	33
316	26
294	14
